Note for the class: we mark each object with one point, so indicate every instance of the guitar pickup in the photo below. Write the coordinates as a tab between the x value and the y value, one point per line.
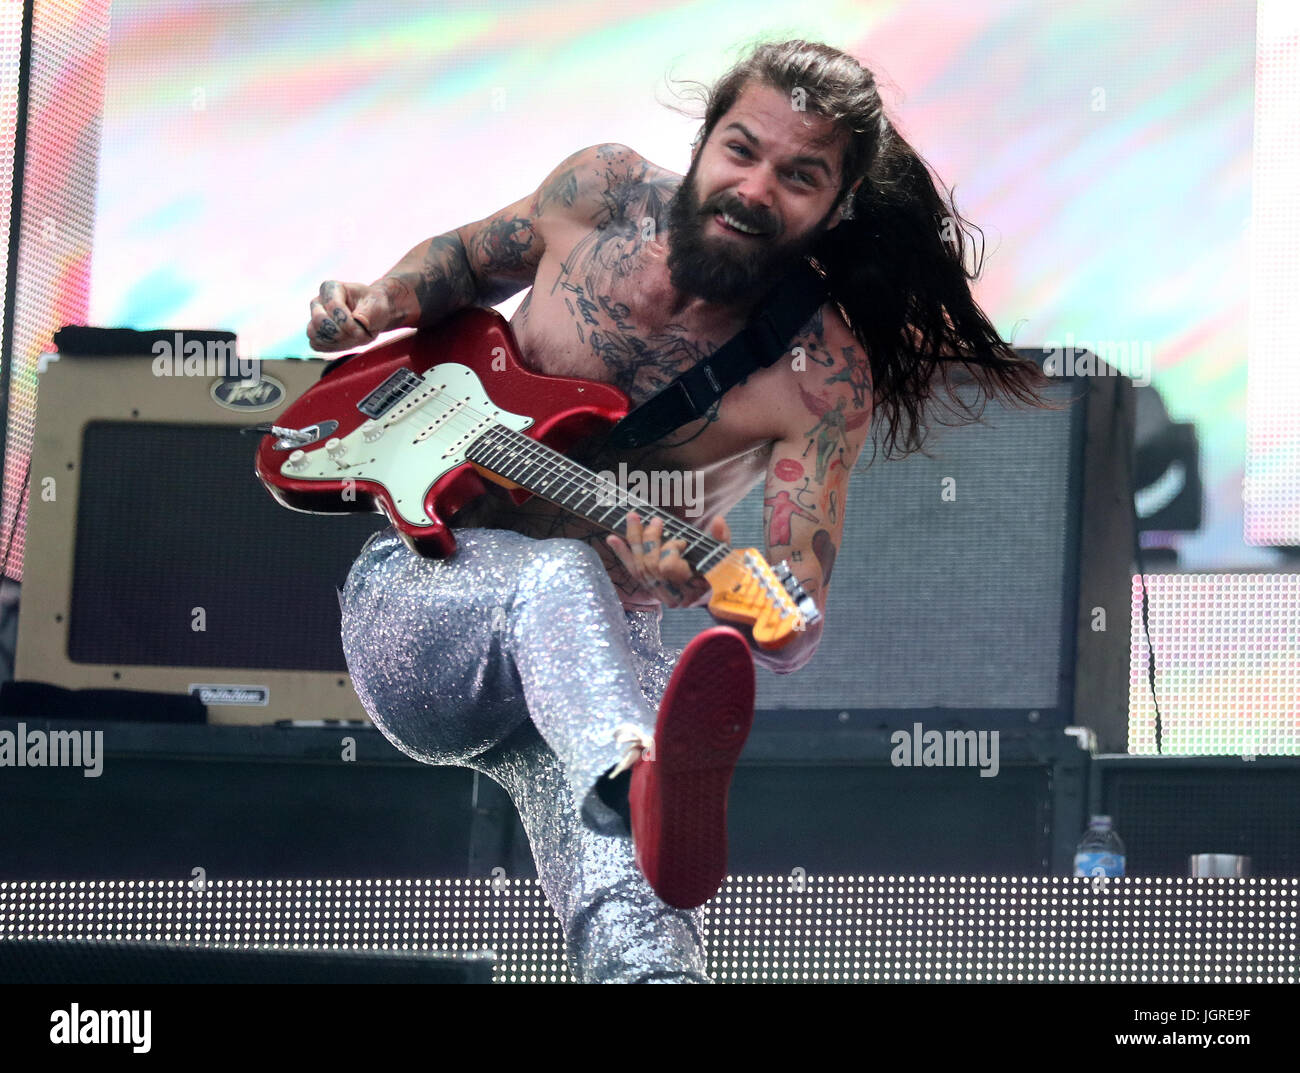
389	394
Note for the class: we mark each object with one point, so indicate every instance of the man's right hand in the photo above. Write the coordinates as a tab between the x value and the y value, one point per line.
348	315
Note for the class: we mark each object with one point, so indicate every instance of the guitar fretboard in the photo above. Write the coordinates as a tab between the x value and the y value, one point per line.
560	480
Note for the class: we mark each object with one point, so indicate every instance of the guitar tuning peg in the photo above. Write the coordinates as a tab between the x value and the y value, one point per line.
808	608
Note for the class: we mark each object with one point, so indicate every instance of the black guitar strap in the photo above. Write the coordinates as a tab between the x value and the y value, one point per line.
786	309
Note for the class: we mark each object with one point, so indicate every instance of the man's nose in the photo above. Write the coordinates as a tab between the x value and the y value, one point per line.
756	189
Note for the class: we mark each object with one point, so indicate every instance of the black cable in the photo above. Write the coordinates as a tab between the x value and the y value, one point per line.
13	526
15	230
1146	628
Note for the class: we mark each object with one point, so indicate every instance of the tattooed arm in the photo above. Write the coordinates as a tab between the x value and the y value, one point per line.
481	263
434	280
490	260
827	423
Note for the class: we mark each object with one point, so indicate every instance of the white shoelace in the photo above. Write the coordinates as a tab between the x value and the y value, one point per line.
637	744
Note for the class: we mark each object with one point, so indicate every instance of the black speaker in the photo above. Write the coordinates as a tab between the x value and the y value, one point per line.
1167	808
812	795
239	802
986	586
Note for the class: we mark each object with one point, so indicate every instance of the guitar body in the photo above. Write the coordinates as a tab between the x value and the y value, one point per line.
412	428
430	393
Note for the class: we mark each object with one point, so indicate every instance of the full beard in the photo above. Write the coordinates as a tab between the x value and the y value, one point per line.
723	270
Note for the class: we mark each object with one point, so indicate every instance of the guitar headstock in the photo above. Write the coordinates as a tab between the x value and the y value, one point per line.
748	590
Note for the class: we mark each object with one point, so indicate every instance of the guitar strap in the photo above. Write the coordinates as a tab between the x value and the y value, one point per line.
785	309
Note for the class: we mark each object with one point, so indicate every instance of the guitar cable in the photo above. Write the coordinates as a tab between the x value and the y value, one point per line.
1146	628
18	510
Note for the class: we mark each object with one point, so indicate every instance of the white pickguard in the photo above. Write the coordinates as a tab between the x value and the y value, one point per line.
414	444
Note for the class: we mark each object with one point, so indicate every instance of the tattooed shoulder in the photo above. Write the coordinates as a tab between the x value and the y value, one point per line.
849	362
826	353
602	184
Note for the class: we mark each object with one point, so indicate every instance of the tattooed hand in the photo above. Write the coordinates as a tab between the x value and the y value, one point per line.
659	565
347	315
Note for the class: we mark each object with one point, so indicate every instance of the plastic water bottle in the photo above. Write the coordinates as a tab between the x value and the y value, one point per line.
1100	853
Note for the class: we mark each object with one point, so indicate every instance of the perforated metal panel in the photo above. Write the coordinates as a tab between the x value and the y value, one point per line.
759	929
60	157
11	26
1227	665
1272	504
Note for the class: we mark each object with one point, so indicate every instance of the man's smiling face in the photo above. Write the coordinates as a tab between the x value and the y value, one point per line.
759	193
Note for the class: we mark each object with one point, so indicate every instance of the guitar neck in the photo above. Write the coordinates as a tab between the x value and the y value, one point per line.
547	473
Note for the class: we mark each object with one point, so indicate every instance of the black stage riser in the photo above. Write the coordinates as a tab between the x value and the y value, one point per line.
1169	808
281	803
55	961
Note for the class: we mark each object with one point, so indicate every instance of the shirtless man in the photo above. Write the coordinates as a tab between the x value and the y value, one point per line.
637	274
603	306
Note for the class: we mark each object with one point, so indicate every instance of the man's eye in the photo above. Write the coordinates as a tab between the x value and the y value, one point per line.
735	147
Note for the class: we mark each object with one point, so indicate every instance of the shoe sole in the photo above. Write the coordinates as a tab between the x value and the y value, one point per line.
678	799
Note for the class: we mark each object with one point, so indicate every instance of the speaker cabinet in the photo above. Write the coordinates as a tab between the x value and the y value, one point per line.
1167	808
156	560
987	586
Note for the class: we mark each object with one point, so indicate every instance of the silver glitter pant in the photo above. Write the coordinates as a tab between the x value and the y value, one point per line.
515	658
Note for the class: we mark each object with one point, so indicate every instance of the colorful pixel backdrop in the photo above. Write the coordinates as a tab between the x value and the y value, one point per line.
251	150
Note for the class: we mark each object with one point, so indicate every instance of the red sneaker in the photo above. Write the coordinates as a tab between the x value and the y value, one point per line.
678	793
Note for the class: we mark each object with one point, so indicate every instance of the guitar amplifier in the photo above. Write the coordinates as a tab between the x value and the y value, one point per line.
155	559
984	588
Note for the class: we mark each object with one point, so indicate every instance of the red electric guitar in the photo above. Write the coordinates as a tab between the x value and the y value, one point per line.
410	429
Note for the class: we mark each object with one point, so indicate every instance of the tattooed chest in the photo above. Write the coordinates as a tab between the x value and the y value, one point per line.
594	314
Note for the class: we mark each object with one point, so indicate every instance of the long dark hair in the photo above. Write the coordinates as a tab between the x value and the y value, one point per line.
896	264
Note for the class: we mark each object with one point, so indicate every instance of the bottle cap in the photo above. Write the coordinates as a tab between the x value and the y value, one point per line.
1101	821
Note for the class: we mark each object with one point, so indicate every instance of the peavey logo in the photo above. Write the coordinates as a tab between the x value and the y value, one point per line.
236	394
249	696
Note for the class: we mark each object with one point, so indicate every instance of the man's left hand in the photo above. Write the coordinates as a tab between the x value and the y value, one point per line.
658	565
